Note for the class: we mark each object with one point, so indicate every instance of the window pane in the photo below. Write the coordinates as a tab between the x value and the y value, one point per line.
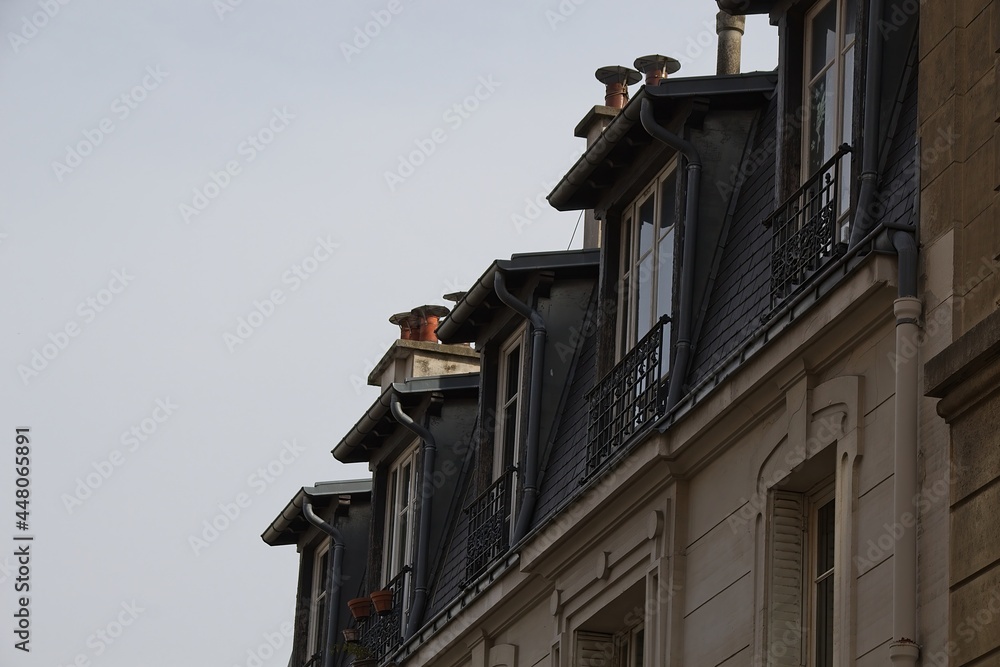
623	301
320	625
639	638
404	541
824	623
668	197
825	528
850	20
646	223
509	437
644	297
823	32
404	489
822	128
665	275
321	568
390	528
513	371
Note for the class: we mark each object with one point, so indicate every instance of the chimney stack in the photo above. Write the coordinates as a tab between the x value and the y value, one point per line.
616	80
656	67
419	353
730	30
420	323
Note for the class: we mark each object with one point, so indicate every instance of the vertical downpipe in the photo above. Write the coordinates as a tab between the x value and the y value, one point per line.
904	650
420	578
334	574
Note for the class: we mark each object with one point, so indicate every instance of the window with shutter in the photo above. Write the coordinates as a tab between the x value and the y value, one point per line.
784	645
594	649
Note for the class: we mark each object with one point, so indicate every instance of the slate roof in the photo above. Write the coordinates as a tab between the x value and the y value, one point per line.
741	292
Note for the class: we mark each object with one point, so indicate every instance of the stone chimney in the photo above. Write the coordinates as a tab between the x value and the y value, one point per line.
730	30
418	353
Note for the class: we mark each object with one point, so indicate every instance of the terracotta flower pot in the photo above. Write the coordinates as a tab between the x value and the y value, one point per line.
351	635
382	601
360	607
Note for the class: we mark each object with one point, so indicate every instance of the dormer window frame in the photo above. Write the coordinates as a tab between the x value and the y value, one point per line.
401	498
318	598
648	264
822	138
510	371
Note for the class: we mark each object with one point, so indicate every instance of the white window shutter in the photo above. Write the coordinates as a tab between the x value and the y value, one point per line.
785	613
595	649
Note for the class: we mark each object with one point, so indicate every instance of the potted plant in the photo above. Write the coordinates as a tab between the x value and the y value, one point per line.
382	600
360	607
362	656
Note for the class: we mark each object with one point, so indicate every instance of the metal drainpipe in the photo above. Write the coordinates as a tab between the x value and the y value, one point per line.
907	308
426	500
683	356
538	333
864	220
334	574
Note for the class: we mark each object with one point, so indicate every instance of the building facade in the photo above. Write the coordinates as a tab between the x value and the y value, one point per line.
755	426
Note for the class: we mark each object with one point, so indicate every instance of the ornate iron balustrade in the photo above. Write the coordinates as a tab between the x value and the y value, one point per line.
804	229
631	396
381	634
489	525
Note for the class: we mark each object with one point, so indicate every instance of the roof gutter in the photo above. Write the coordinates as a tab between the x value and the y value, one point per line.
580	173
538	333
682	357
334	577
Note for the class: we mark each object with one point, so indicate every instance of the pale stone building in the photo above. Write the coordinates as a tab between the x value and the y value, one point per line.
715	438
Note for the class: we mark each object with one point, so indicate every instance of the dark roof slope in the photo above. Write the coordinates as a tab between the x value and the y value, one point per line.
566	461
741	292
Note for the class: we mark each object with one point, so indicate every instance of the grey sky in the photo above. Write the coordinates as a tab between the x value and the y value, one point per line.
167	285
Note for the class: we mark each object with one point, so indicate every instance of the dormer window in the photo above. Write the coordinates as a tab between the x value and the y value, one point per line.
647	261
317	605
401	492
507	450
830	28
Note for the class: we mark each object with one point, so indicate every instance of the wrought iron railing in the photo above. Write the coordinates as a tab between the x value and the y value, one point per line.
381	634
804	229
489	525
631	396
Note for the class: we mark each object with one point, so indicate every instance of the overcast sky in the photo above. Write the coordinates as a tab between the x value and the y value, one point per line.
172	166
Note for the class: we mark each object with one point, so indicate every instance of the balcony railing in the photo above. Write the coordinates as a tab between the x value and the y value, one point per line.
489	525
381	634
631	396
804	229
